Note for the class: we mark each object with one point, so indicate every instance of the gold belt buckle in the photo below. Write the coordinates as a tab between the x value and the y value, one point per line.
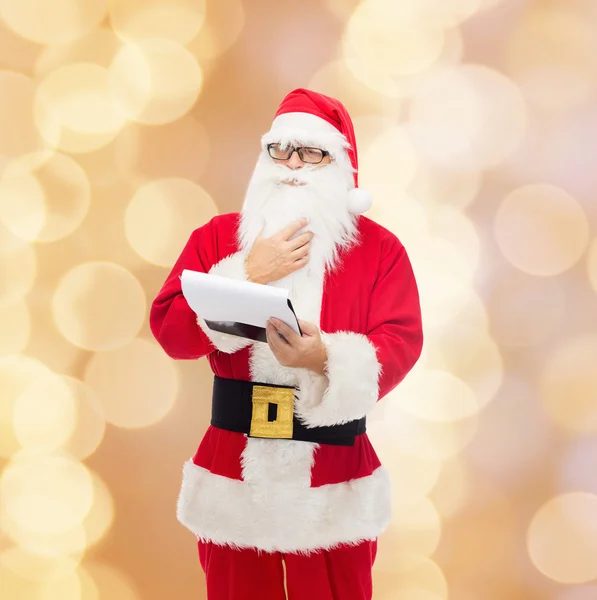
282	427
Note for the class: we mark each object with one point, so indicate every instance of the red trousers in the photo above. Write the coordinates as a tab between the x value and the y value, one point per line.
343	573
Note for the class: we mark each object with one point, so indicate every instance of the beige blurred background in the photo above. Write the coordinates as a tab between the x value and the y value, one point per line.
125	125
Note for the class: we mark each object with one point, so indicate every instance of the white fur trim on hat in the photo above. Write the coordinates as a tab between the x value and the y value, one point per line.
307	129
359	201
300	120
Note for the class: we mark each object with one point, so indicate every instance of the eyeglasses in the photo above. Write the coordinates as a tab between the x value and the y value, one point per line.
312	156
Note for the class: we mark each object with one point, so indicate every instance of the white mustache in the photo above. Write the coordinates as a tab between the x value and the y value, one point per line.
279	174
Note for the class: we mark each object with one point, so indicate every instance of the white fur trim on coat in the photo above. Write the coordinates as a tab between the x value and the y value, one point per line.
350	388
232	267
286	516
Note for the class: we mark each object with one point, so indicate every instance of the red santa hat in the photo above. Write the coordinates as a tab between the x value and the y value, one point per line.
314	119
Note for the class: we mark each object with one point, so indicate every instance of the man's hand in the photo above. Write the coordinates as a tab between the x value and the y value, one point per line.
306	352
271	259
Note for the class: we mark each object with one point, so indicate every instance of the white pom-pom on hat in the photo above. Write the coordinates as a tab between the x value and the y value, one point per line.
359	201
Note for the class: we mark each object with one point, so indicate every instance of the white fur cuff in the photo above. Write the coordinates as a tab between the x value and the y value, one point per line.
232	267
350	389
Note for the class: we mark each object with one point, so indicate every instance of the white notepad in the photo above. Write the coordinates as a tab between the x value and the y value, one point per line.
239	308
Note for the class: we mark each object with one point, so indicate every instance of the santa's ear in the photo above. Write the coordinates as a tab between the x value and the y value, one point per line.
359	201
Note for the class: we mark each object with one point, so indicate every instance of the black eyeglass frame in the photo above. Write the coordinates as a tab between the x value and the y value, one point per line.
299	151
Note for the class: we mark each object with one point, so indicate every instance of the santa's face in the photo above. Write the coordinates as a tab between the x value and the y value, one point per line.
283	191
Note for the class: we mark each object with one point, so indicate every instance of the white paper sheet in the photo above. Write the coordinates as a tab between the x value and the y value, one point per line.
217	298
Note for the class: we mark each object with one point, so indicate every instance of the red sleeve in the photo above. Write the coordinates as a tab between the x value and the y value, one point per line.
172	321
394	324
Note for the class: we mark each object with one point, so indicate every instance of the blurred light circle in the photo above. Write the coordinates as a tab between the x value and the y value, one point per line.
444	186
480	121
98	48
441	14
342	9
223	26
433	13
431	440
46	343
407	86
336	79
17	372
74	108
440	279
453	226
178	20
592	264
90	422
44	414
43	197
513	324
99	306
162	215
471	355
568	383
552	54
70	543
14	586
389	160
369	128
562	538
585	592
451	491
383	35
46	493
35	567
155	81
415	527
67	588
436	396
18	54
412	475
111	583
22	202
136	383
510	450
401	214
177	149
541	230
100	517
577	466
411	571
15	325
53	21
18	134
411	594
59	585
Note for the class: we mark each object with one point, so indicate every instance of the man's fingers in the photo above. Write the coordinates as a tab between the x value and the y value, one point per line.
291	229
274	340
300	252
287	331
301	240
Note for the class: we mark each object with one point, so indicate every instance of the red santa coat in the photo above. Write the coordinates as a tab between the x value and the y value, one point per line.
285	495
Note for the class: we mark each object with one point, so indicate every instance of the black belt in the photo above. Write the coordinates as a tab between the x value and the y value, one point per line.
263	410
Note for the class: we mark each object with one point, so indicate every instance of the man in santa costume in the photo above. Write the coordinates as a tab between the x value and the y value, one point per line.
285	490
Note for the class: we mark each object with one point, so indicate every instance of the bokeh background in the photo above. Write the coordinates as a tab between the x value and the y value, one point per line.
124	125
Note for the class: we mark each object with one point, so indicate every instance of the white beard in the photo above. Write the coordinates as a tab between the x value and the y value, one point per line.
270	205
320	195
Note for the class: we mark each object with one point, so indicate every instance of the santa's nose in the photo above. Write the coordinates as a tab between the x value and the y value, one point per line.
294	162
